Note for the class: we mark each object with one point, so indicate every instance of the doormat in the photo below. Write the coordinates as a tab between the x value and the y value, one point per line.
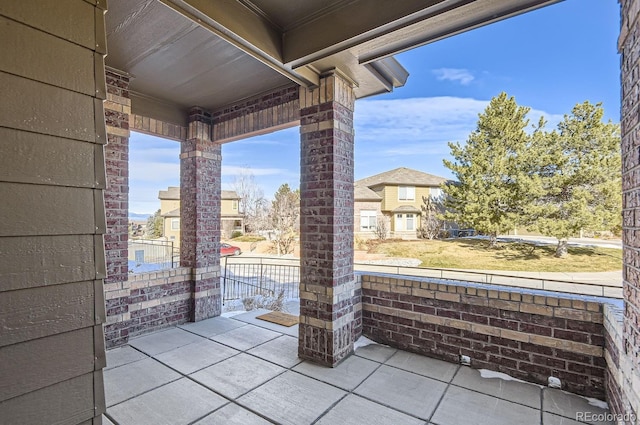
279	318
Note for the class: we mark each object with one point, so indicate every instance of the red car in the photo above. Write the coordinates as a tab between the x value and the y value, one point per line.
226	249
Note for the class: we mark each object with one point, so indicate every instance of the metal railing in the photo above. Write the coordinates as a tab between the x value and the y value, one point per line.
248	276
150	254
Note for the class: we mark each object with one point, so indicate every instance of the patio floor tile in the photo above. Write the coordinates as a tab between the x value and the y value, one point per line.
518	392
232	414
193	357
213	326
354	410
568	405
124	382
177	403
123	355
459	405
292	399
422	365
106	421
376	352
551	419
347	375
245	337
237	375
410	393
160	342
282	350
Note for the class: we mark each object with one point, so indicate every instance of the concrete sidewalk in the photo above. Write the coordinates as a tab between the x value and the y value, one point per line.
231	371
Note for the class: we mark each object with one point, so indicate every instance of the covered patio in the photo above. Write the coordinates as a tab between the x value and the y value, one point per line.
78	75
245	371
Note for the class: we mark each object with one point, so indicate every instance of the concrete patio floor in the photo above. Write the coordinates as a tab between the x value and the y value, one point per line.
245	371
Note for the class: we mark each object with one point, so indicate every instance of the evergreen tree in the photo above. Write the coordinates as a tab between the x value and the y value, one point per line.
578	185
155	227
490	192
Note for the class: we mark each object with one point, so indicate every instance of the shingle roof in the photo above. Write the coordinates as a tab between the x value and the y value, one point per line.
402	176
229	194
173	192
363	193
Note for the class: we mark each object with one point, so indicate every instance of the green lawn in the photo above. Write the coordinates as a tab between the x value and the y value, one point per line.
515	256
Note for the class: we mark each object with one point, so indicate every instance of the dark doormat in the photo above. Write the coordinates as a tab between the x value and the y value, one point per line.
279	318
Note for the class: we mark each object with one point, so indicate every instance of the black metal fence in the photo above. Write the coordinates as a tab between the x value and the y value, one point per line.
247	277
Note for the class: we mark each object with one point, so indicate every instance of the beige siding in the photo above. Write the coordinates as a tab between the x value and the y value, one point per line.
227	207
390	198
168	205
51	181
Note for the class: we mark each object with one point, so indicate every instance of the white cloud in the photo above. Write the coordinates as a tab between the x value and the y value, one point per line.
234	170
462	76
414	132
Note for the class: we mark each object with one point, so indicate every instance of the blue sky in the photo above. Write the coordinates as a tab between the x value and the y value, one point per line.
549	59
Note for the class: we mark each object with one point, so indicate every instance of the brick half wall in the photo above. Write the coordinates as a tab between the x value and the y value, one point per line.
149	302
525	336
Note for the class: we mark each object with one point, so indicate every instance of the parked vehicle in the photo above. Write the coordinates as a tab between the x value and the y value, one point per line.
226	249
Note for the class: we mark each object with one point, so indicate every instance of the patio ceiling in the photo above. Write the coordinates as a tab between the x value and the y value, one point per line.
211	53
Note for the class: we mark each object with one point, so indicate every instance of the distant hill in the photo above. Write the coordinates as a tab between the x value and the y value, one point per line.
138	217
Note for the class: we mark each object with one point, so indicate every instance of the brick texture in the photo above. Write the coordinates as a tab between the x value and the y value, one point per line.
328	288
200	168
265	112
158	128
629	46
117	108
116	196
527	337
148	302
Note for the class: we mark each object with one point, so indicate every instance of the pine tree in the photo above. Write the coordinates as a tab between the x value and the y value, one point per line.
490	192
579	178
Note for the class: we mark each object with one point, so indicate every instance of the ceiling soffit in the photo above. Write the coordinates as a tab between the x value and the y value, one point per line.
292	37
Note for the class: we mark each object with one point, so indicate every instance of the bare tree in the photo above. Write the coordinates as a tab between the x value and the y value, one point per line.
432	210
285	218
252	203
382	229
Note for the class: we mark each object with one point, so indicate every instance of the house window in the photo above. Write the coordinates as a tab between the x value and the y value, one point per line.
235	205
175	224
410	222
406	193
435	192
368	219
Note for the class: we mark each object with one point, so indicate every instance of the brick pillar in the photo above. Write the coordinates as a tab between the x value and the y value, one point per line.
629	45
200	167
326	222
117	109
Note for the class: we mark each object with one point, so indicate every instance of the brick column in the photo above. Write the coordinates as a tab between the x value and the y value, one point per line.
326	222
629	44
117	109
200	167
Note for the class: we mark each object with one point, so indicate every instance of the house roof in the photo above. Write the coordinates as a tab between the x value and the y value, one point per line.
406	209
172	213
173	193
402	176
363	193
229	194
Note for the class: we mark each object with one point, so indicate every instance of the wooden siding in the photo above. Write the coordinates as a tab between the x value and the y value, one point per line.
52	175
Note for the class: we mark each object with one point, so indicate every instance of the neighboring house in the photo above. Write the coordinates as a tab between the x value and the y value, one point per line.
395	197
231	218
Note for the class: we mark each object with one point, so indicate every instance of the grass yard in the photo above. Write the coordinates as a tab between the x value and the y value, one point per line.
515	256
